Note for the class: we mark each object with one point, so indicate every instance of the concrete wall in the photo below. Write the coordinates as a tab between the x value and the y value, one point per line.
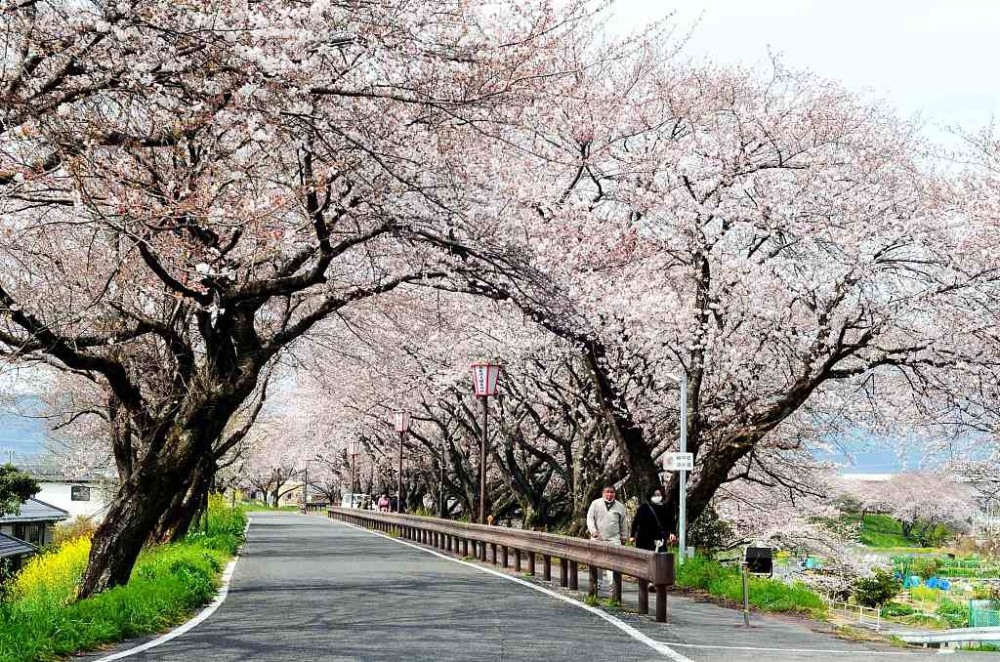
59	495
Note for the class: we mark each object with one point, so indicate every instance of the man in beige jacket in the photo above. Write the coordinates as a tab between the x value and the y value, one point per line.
606	522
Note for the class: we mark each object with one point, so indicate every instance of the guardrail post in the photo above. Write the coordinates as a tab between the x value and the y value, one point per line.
616	587
493	553
517	561
482	552
504	556
531	563
563	573
546	567
661	568
661	603
643	596
592	588
465	547
573	570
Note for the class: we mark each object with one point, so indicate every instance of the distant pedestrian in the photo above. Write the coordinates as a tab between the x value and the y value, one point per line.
606	522
384	504
653	524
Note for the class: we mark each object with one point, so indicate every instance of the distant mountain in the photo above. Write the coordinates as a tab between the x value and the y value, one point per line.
21	436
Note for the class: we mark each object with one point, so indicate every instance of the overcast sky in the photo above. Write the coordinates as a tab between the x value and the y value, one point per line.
934	58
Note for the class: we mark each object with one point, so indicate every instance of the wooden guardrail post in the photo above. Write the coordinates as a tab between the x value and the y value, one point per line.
546	567
643	596
592	587
662	573
531	563
573	575
616	587
563	573
504	556
517	561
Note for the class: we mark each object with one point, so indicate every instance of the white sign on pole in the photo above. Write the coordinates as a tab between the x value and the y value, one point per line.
678	462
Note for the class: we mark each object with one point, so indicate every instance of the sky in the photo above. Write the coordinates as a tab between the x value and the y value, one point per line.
932	59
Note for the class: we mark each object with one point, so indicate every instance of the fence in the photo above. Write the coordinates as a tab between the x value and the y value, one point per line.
525	548
982	615
866	616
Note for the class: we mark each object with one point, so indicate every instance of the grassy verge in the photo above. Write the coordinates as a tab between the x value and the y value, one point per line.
41	620
724	582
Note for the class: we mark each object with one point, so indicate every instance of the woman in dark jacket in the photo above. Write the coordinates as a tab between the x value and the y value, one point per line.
652	522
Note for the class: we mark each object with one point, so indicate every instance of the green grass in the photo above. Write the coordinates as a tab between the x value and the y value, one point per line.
981	648
41	620
885	532
765	594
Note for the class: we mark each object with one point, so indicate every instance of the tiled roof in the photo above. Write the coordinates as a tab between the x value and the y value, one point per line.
34	510
10	546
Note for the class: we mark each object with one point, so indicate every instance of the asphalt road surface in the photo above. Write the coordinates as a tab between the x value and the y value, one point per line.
308	589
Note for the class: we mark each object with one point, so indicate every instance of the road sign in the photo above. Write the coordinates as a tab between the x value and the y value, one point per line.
678	462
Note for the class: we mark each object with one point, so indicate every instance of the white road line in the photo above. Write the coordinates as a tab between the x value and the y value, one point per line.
659	647
227	575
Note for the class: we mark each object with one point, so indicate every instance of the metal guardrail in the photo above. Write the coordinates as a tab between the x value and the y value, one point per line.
525	547
955	636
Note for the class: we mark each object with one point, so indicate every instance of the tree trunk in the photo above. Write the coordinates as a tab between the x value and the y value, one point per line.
156	480
130	520
642	470
177	519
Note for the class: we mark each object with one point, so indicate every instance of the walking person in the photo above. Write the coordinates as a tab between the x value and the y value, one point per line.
606	522
384	503
653	525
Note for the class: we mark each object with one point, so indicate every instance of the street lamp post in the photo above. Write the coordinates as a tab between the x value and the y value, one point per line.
441	508
682	475
354	469
402	423
484	385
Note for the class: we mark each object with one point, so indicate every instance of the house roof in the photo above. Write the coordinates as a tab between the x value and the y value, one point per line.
34	510
10	546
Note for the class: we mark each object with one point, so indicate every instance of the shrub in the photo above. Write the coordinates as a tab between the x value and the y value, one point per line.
80	526
53	576
925	566
897	609
877	589
955	613
925	594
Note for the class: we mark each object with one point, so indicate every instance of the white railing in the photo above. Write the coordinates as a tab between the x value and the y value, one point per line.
870	617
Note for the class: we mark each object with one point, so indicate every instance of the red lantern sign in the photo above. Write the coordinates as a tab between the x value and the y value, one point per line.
484	379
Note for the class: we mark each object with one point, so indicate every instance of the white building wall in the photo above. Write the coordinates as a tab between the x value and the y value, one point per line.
60	496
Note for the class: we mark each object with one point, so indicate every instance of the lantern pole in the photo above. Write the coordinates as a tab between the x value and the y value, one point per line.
399	476
482	462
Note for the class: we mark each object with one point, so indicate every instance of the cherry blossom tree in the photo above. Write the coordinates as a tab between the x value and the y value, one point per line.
772	237
921	501
188	190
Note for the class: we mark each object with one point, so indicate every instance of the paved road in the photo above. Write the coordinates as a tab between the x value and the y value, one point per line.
311	589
